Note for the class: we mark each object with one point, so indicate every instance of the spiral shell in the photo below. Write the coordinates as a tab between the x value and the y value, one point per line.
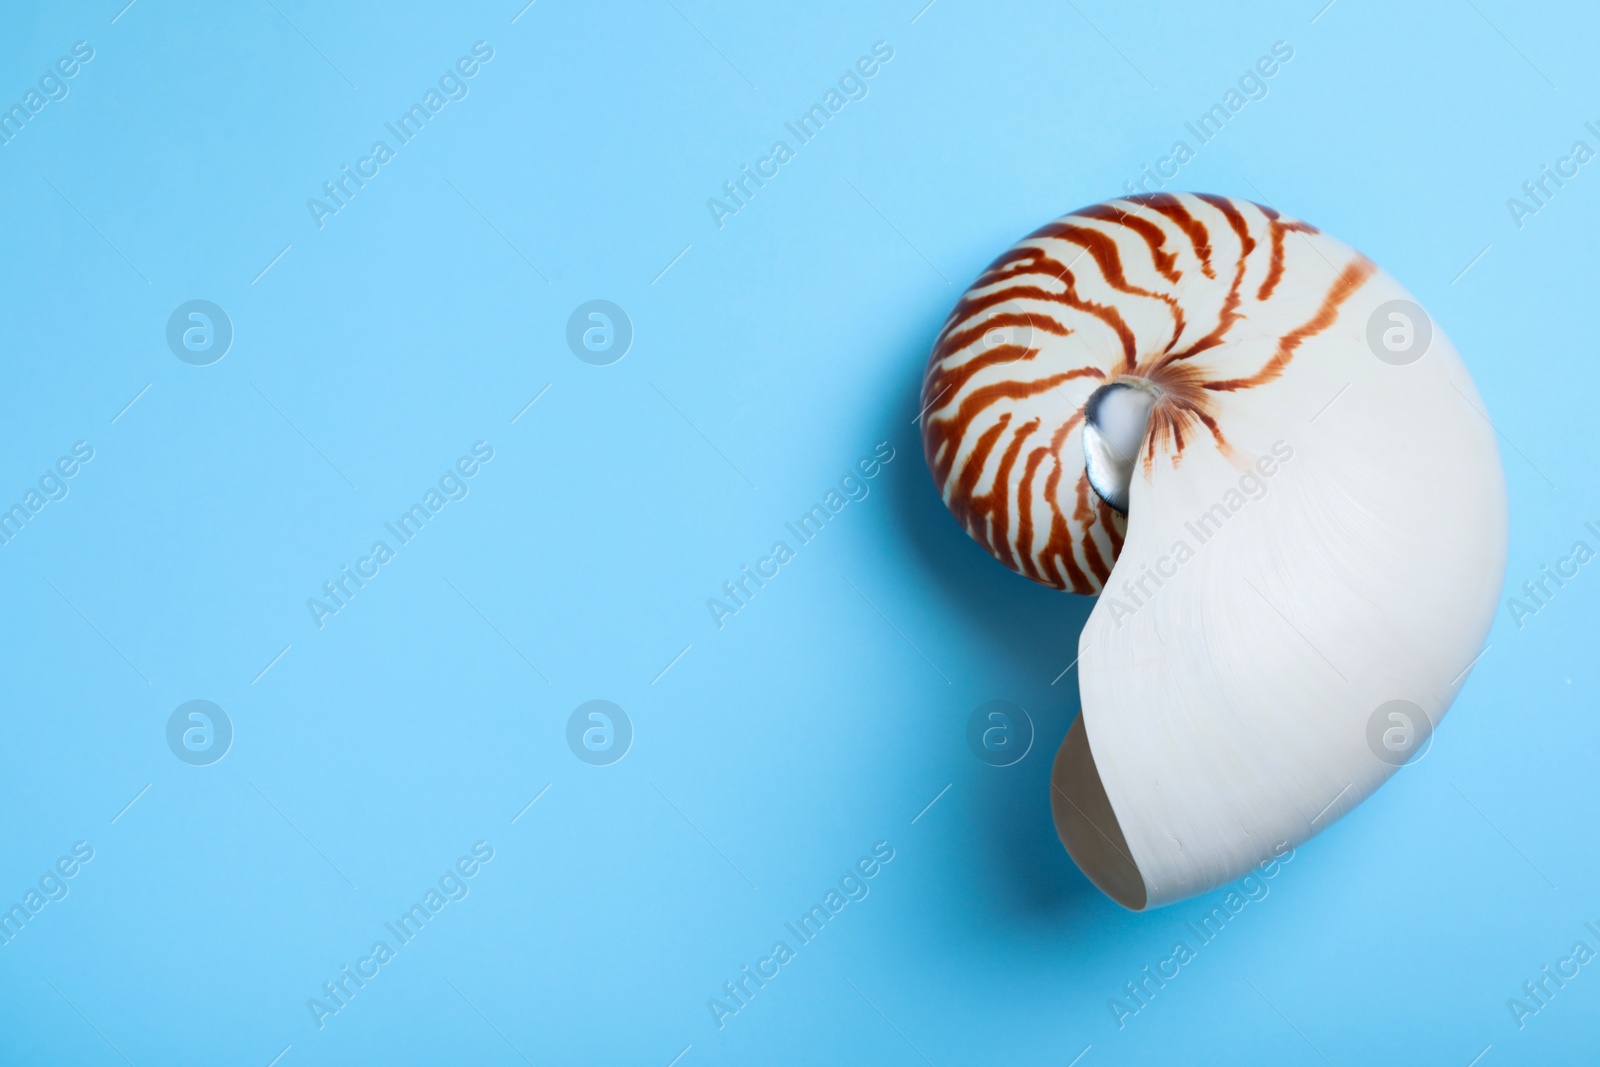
1167	288
1296	531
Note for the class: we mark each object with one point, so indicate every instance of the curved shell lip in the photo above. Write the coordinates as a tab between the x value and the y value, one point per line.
1087	824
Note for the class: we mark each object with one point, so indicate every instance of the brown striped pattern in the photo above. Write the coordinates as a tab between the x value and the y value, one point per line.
1154	287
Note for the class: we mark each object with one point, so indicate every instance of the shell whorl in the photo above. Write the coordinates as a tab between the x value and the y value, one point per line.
1200	295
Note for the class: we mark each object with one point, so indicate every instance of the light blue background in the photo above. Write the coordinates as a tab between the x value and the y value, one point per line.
829	713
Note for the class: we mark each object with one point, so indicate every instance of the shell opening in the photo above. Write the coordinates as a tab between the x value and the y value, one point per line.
1114	421
1087	824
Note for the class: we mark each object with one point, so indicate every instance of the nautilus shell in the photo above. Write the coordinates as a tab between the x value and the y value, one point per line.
1276	473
